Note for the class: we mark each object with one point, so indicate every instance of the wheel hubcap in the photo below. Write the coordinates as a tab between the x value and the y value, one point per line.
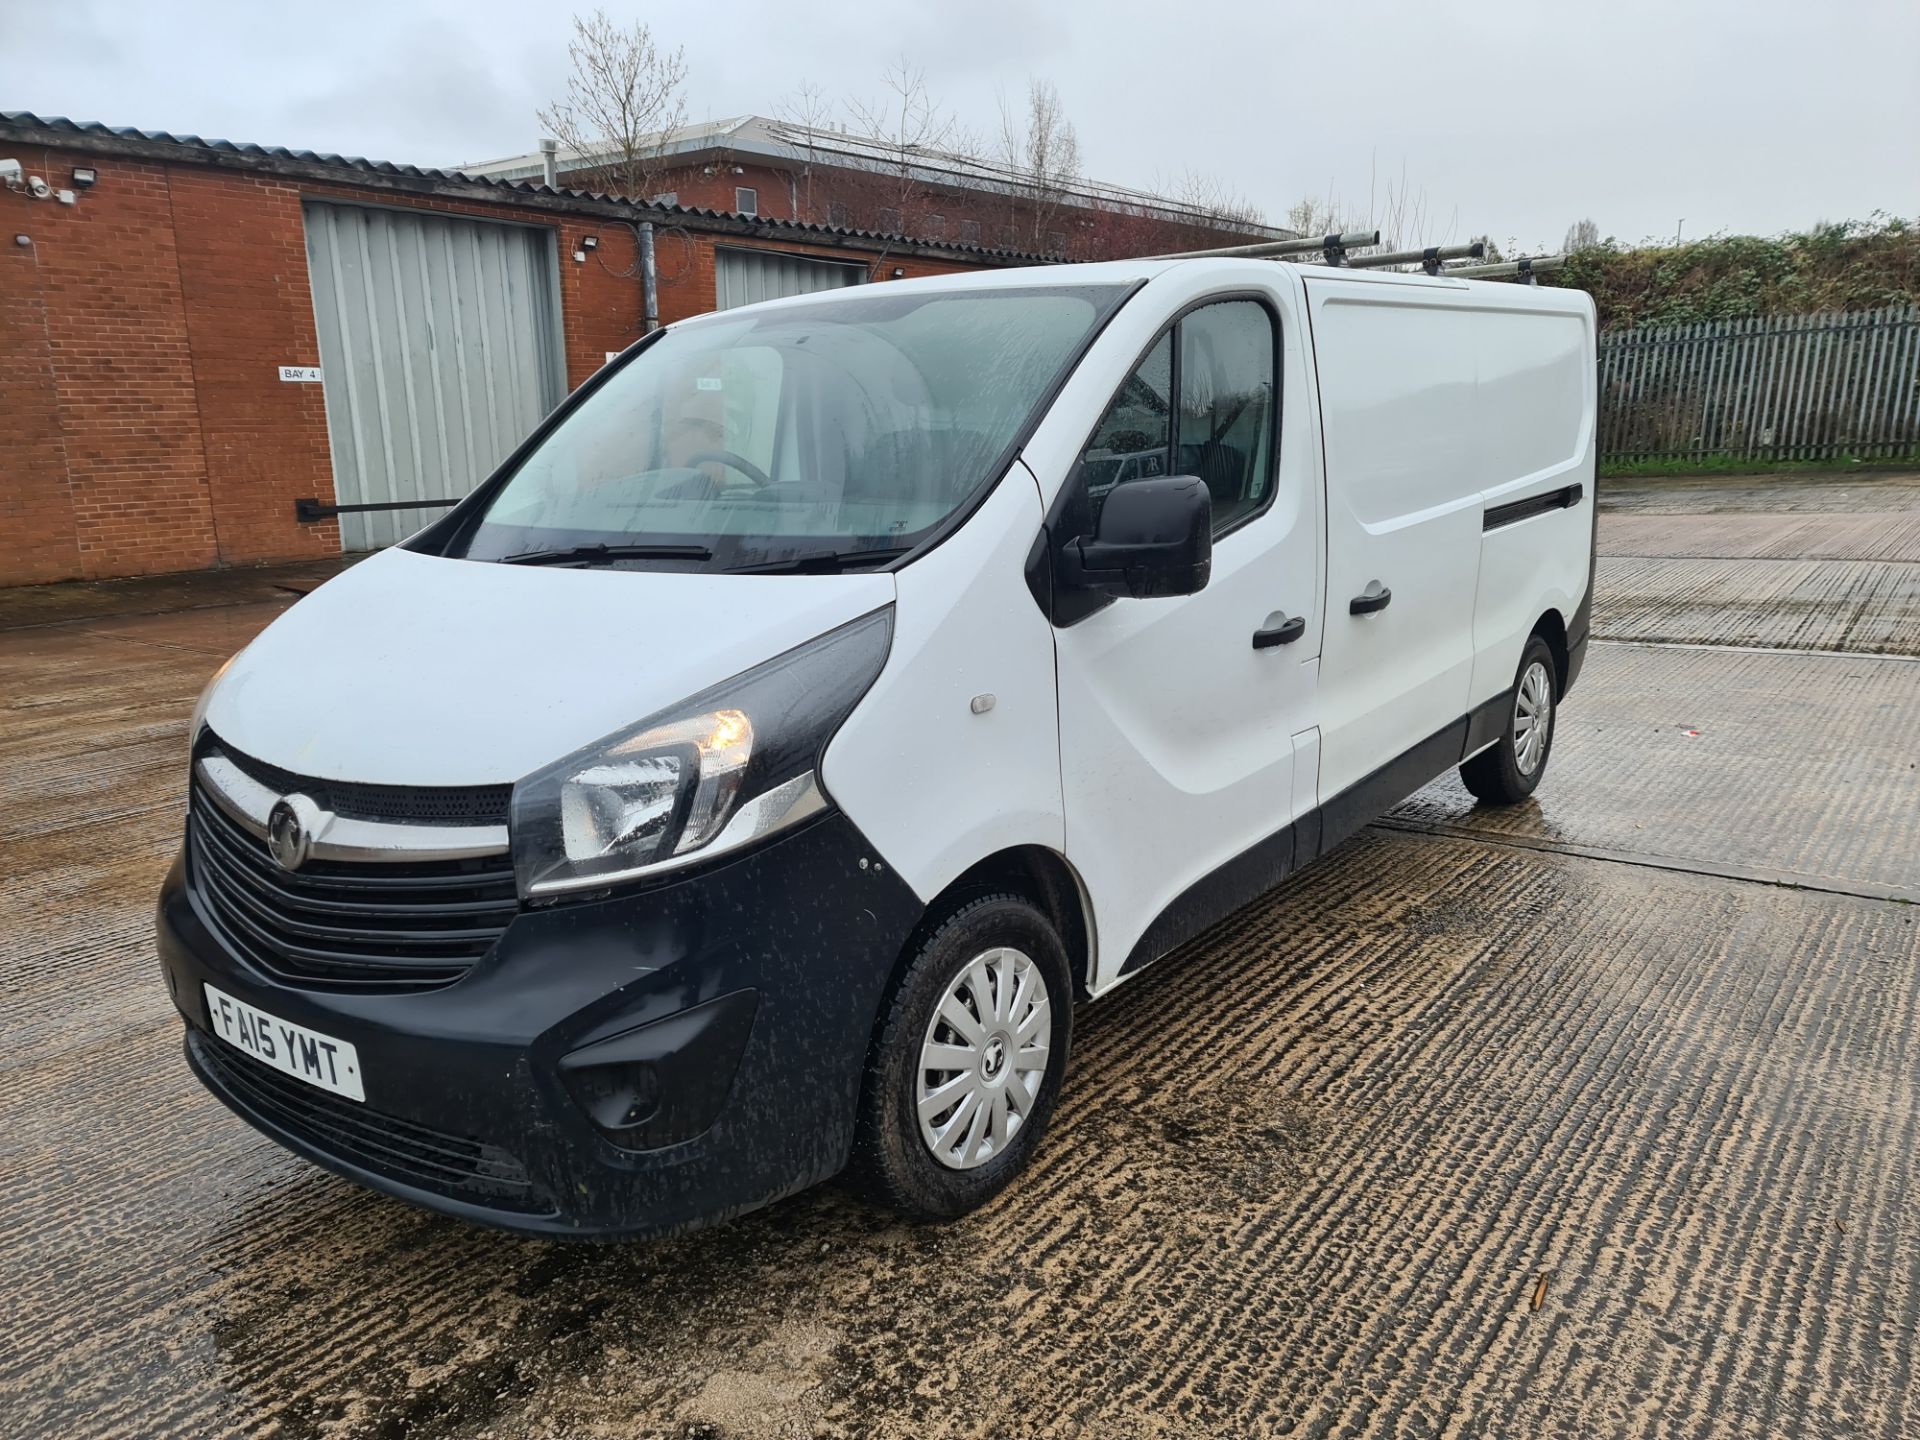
1532	717
983	1058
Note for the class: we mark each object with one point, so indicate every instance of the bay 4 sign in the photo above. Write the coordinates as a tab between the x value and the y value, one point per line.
302	1053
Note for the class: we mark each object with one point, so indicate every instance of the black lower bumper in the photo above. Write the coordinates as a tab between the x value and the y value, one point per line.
626	1066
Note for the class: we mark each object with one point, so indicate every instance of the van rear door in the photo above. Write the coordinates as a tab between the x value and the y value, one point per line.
1397	380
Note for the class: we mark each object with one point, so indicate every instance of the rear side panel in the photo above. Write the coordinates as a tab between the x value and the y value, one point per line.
1398	372
1459	423
1536	404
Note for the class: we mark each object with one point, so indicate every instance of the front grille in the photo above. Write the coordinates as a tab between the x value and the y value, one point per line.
341	926
410	804
456	1166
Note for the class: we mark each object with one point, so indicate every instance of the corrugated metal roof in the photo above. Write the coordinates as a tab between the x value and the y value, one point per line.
59	125
789	141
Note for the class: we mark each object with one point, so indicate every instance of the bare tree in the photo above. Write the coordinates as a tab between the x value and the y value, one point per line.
624	93
1041	153
805	114
1211	196
1581	235
1399	212
910	127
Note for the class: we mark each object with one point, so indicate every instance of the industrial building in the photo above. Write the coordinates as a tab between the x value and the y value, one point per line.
755	165
205	346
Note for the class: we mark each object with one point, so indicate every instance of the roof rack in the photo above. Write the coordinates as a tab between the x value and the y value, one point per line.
1431	258
1334	248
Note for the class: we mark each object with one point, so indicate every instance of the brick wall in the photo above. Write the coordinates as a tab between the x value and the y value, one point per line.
107	284
141	334
863	199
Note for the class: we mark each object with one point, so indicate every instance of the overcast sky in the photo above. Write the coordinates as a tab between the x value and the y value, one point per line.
1749	116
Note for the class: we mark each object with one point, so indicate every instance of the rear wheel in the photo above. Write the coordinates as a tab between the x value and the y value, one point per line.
967	1061
1509	770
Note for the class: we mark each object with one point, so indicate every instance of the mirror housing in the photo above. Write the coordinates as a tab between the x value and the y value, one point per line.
1154	538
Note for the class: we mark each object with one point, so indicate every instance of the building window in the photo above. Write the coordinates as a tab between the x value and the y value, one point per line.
889	222
935	227
746	200
1056	243
838	214
970	232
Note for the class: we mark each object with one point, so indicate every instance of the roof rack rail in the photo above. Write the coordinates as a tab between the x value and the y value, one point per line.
1428	258
1522	269
1273	249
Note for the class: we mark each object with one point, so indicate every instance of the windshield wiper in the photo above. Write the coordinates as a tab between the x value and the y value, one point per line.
583	554
820	561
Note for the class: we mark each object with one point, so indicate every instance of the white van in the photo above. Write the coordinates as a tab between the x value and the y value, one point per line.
745	783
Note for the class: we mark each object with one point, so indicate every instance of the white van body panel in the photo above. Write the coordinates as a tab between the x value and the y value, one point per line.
1441	399
1396	373
935	784
416	670
1537	403
1177	736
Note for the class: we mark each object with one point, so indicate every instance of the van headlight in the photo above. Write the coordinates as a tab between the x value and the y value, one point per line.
730	766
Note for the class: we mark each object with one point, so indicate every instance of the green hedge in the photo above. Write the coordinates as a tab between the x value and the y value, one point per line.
1853	265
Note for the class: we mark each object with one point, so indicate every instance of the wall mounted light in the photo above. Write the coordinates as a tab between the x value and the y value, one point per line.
589	242
84	176
898	273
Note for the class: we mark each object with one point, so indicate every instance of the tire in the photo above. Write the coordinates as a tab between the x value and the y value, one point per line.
1509	770
984	958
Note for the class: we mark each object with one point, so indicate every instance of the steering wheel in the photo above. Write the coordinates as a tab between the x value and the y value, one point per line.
736	462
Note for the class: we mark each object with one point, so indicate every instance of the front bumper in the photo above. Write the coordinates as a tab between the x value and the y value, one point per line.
742	998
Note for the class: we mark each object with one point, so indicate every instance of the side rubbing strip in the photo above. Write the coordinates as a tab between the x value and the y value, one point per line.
1515	511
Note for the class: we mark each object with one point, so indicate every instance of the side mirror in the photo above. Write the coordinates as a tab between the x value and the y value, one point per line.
1154	538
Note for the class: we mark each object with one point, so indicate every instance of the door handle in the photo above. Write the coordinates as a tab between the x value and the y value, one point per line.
1285	633
1375	597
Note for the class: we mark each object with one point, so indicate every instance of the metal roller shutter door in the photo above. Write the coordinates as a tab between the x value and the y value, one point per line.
745	276
439	351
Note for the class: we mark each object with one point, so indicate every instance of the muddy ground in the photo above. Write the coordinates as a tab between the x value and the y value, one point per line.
1597	1116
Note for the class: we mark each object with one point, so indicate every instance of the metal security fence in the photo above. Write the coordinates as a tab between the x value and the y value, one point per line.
1783	387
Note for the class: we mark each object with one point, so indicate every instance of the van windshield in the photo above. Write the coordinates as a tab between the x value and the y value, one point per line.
829	435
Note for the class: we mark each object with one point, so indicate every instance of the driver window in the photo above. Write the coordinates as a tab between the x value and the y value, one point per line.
1213	417
1225	429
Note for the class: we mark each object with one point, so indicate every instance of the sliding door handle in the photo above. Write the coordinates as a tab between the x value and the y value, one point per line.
1285	633
1375	597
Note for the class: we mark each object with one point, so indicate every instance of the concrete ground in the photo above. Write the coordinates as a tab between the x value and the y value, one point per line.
1595	1116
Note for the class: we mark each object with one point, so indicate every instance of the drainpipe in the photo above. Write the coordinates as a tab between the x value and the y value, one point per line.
649	278
550	162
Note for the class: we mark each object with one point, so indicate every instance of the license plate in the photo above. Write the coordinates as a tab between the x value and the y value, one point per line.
292	1049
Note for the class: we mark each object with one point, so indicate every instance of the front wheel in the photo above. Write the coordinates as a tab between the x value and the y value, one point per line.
1509	770
967	1060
